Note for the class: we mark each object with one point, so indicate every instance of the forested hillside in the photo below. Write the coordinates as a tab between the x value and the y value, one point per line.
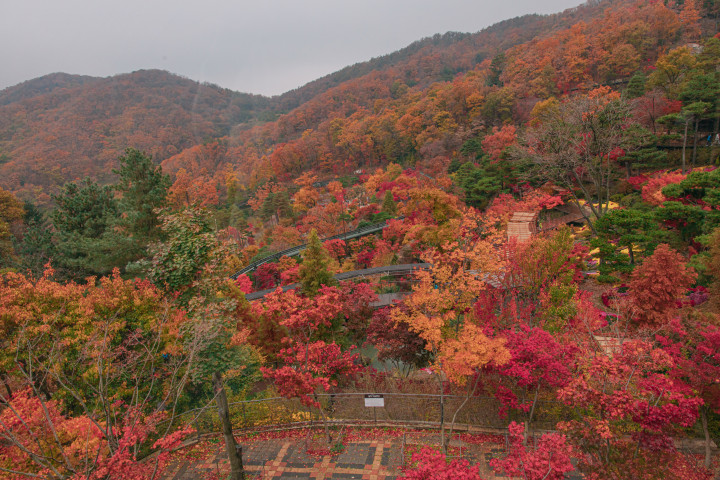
514	233
60	127
63	127
395	114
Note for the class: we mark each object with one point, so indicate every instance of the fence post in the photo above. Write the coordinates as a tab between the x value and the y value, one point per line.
442	411
402	450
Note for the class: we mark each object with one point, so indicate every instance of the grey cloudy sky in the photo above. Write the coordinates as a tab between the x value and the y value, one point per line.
256	46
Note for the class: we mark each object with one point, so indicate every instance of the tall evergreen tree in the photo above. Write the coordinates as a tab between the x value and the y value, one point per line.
36	247
144	190
83	220
700	95
625	230
483	181
635	87
314	271
389	206
11	210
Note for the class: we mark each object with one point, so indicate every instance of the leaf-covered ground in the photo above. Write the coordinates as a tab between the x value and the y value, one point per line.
376	454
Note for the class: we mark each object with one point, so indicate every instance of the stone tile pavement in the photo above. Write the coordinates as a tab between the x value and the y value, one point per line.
286	459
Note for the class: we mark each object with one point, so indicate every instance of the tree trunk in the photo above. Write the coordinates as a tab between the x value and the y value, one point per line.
442	414
7	388
529	418
706	431
694	154
684	170
470	393
328	436
234	451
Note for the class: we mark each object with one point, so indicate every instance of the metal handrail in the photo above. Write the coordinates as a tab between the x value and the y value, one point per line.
298	248
282	412
366	272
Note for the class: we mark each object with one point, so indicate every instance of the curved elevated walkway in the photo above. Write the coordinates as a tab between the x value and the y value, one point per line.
358	232
394	270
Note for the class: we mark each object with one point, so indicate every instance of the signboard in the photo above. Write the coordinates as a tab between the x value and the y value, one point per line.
374	400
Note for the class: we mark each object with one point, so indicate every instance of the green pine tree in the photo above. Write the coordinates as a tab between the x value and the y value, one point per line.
635	87
621	230
83	220
389	206
144	190
483	182
11	210
314	271
36	247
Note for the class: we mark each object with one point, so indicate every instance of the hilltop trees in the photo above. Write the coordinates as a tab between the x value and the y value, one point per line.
576	145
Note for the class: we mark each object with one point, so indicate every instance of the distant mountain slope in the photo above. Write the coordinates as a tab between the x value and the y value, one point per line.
42	85
62	127
452	53
434	102
419	104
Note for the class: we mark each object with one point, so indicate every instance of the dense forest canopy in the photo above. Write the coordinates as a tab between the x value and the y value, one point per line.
528	214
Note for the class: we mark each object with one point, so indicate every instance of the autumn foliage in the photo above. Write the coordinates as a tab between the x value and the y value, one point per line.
63	332
431	464
581	118
38	432
657	284
550	459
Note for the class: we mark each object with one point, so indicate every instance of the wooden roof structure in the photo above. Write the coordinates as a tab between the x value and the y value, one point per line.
522	226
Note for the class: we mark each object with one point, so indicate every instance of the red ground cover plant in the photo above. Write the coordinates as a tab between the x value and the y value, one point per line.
429	464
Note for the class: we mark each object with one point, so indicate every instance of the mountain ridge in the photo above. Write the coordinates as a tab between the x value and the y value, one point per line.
63	127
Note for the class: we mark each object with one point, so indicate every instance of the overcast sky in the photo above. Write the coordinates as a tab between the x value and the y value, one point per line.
255	46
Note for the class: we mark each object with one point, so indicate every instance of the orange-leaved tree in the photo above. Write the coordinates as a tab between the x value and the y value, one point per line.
89	373
439	311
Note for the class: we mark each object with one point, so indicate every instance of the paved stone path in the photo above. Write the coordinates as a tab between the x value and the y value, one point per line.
286	459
